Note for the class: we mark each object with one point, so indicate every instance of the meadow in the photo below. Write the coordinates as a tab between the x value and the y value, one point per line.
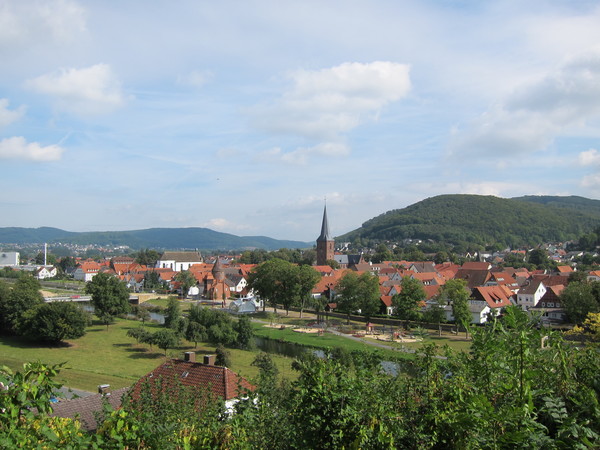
109	356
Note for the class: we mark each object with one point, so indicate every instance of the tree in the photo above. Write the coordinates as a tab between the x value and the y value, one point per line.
382	253
147	257
245	333
165	339
140	334
186	280
307	279
142	314
437	313
110	297
25	405
265	364
66	263
195	333
407	303
276	280
456	292
152	281
358	292
172	314
223	356
579	299
54	322
15	301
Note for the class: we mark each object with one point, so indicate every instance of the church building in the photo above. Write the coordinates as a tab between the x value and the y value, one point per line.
325	243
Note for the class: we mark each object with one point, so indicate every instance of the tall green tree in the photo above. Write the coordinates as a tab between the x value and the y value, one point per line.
579	299
277	281
110	297
16	300
307	279
54	322
407	303
172	314
358	292
457	293
147	257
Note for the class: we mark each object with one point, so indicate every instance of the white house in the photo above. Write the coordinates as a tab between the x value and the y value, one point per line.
44	272
178	261
9	259
529	295
86	271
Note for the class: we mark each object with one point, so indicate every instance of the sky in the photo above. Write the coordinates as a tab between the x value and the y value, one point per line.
246	117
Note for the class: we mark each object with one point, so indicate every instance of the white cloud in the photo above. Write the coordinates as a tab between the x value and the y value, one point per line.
534	115
323	104
8	116
591	181
91	90
590	157
23	23
18	148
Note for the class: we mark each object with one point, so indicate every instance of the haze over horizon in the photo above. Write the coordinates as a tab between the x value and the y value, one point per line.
242	117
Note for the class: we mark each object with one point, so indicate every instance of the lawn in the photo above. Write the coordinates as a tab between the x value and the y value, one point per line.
325	341
110	357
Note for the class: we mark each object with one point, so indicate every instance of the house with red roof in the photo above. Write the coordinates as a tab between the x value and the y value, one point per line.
200	377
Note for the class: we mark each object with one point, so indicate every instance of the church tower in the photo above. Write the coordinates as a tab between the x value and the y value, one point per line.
325	244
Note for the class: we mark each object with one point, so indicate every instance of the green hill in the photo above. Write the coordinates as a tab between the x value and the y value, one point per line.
484	220
158	238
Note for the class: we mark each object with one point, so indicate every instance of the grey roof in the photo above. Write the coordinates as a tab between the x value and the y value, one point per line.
181	256
86	408
324	236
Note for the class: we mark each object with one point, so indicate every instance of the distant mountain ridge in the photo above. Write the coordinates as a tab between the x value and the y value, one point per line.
156	238
483	220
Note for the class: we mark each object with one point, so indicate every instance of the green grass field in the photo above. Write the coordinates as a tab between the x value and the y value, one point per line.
110	357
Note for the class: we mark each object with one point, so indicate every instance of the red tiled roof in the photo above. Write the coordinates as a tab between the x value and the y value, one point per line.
218	380
494	296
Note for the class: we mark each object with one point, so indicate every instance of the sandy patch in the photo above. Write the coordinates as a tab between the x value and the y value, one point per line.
308	330
279	327
388	338
50	294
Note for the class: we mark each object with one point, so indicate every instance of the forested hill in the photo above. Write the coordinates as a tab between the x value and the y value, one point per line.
157	238
484	220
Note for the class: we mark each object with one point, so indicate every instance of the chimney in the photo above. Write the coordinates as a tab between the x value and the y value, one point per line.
189	356
104	389
210	359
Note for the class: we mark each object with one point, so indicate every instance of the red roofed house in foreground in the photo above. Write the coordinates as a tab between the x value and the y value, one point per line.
206	376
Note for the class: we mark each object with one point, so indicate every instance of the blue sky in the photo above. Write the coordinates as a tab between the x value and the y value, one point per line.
243	116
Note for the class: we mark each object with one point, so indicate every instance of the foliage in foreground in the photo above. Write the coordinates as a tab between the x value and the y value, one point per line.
518	387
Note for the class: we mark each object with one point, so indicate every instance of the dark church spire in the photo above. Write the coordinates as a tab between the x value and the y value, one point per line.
325	243
324	228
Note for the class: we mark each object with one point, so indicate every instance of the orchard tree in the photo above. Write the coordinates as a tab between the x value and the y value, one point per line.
165	339
407	303
110	297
